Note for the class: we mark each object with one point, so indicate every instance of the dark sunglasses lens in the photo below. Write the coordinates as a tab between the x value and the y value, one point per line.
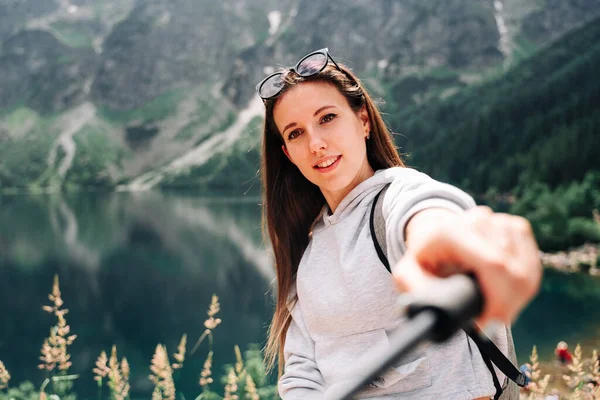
272	86
312	64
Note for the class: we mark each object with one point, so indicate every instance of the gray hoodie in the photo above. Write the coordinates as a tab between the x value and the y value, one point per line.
347	303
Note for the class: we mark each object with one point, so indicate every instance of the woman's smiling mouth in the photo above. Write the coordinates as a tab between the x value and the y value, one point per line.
328	164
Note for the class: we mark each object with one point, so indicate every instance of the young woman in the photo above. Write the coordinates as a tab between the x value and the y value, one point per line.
326	154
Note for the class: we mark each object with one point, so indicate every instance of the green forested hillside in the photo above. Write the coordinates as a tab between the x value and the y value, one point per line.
534	129
538	122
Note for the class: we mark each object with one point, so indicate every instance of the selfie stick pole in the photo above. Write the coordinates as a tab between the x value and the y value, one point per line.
434	314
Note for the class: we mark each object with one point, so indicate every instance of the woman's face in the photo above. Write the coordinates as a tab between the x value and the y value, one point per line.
324	138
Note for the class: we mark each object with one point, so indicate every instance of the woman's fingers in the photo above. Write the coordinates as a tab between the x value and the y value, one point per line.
498	248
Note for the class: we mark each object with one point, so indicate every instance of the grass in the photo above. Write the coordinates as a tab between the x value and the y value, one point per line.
524	48
188	131
20	116
71	35
579	379
246	379
23	161
157	109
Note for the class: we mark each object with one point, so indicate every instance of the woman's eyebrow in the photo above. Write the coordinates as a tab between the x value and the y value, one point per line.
292	124
321	109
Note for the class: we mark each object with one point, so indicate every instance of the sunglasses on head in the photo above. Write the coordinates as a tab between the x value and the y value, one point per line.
311	64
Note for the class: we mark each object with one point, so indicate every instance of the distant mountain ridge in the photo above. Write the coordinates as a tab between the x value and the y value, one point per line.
107	93
539	122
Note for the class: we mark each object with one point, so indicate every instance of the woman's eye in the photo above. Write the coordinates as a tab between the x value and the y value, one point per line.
293	134
328	118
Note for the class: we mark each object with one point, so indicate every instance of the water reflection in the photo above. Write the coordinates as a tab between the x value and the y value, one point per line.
136	270
566	308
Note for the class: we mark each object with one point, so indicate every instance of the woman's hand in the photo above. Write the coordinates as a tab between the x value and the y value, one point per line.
499	249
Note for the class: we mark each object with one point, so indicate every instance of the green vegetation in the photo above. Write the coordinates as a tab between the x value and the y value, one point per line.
242	161
532	132
94	155
72	35
188	131
19	117
562	217
207	111
246	378
260	23
24	159
157	109
524	47
493	134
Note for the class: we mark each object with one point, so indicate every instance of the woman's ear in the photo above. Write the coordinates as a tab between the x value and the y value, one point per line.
287	153
364	118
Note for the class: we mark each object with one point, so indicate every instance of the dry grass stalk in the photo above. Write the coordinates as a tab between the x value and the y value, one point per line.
101	370
54	349
239	364
4	376
212	322
231	387
162	375
117	373
576	367
118	376
126	372
595	375
251	393
180	355
537	386
205	375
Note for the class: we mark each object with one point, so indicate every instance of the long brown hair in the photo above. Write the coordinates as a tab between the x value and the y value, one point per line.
291	202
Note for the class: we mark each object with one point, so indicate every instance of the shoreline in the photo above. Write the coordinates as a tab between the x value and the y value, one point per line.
582	259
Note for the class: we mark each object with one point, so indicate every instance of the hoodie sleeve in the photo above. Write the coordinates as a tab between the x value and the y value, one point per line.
302	378
411	192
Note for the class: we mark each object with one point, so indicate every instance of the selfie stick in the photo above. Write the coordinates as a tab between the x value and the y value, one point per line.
435	314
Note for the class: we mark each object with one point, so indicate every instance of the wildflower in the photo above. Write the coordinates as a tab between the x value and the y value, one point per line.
537	385
54	349
231	387
180	355
595	376
239	364
116	382
101	370
205	375
251	393
117	373
162	375
4	376
574	379
125	369
124	386
212	322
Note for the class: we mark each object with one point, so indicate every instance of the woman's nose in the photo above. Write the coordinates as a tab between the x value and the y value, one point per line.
317	142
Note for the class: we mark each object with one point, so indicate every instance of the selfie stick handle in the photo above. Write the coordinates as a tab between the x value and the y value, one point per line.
435	314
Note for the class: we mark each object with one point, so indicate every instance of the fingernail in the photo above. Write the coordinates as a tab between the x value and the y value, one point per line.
492	327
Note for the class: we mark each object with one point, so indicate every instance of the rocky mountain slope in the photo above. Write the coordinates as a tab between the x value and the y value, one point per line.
140	93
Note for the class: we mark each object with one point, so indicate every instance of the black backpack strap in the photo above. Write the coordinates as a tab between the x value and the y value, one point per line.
488	348
497	386
489	352
377	225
